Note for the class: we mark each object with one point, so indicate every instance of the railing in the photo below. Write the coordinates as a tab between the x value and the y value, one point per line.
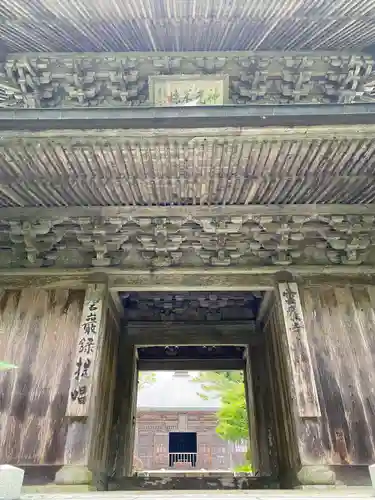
181	460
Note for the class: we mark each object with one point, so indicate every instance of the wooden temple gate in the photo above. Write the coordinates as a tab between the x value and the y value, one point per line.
246	167
309	376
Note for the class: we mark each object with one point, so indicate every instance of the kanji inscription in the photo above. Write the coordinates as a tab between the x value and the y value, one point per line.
86	353
299	352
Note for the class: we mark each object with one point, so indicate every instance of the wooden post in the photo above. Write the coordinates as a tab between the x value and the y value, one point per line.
262	401
301	389
84	388
127	385
251	417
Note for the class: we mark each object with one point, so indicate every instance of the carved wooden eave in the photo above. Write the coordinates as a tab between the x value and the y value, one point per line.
237	238
48	80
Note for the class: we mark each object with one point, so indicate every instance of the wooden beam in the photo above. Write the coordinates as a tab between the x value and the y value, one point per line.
291	115
179	333
32	213
366	131
264	306
191	364
182	279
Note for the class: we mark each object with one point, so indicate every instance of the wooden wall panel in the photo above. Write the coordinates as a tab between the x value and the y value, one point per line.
340	324
38	333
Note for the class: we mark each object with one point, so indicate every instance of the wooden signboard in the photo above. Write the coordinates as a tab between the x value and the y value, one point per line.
299	352
87	352
189	90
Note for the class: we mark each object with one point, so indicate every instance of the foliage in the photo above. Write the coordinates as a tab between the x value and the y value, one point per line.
218	382
244	468
146	378
6	366
232	415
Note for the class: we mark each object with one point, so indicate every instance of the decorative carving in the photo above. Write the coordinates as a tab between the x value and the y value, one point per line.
35	82
253	83
34	244
210	65
167	65
104	239
122	79
297	84
125	85
153	242
190	306
10	93
349	78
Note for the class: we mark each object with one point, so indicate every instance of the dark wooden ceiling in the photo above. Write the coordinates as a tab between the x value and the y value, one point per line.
180	25
191	306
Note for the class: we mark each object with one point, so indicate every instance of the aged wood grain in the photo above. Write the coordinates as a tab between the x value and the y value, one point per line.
38	333
299	352
102	410
264	416
282	391
340	324
88	351
124	409
251	410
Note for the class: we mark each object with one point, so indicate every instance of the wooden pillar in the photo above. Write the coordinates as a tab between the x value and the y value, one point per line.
262	409
89	409
300	390
126	395
251	414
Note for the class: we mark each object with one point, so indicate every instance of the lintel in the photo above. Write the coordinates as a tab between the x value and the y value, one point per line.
191	364
155	333
34	213
177	279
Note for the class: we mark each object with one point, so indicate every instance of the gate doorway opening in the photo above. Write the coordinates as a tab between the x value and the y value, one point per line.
179	416
180	332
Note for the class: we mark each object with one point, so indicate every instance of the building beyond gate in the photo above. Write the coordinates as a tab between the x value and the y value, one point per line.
176	428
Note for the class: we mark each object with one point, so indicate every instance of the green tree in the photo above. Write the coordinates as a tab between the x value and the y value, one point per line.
146	378
218	383
230	388
232	414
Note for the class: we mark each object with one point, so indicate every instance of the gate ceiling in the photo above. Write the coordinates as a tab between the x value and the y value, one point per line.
173	25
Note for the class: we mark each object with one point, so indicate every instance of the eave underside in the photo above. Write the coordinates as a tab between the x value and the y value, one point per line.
139	201
197	167
148	26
